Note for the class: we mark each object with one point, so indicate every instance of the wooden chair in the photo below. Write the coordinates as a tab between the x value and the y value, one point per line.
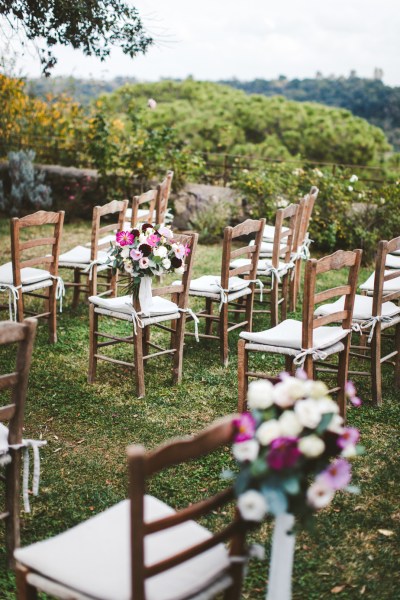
302	251
163	310
142	548
140	215
157	200
312	339
227	288
164	191
277	271
375	311
21	277
22	334
89	262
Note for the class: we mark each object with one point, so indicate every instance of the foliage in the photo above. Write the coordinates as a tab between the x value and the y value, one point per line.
370	99
93	27
210	220
27	187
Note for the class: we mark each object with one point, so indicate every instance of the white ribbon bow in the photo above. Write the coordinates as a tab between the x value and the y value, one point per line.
370	324
300	358
13	296
224	293
25	445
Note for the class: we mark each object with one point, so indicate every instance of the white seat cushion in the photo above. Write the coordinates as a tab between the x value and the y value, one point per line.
211	284
263	265
288	335
29	275
267	248
396	252
81	255
393	285
362	308
3	439
392	261
269	232
123	304
94	557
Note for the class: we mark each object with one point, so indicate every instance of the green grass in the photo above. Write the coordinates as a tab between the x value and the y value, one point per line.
89	426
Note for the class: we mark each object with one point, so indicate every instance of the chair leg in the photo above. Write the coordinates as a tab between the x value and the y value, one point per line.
77	288
309	367
274	302
223	334
289	366
243	380
249	311
24	590
376	368
12	476
138	362
146	340
209	311
178	354
343	369
294	286
397	357
53	314
20	307
285	296
93	340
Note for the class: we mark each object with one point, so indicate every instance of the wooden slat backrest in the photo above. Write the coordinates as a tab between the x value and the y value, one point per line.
307	202
115	207
287	221
150	198
248	227
341	259
22	334
383	275
143	465
190	240
163	192
50	259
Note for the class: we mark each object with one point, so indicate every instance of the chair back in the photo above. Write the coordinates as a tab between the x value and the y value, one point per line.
182	290
115	207
163	192
142	466
307	204
340	260
287	232
149	198
383	275
22	334
248	227
47	259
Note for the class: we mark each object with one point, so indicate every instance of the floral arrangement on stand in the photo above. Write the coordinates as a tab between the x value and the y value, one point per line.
293	451
146	252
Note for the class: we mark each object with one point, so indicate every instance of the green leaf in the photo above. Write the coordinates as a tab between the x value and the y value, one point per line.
276	500
291	485
259	467
326	419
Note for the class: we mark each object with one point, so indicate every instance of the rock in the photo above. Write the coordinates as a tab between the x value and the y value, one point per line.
196	197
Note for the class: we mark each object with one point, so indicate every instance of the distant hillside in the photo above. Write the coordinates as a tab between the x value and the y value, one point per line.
370	99
82	90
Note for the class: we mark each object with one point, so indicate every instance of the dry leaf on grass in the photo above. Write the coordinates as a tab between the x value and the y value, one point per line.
337	589
386	532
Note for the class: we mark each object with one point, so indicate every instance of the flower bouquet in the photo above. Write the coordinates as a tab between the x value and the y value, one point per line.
292	450
146	252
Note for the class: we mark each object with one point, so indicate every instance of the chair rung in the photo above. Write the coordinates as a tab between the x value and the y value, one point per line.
236	325
4	515
114	360
171	351
203	335
114	337
390	355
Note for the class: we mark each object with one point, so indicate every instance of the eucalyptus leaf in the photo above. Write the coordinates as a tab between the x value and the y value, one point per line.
323	424
276	500
291	485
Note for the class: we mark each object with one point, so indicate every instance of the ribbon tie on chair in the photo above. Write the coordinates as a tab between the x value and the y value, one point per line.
195	319
276	272
224	293
371	324
60	289
13	296
25	445
300	358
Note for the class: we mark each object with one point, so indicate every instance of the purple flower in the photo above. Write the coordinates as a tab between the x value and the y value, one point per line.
124	238
337	476
283	453
350	390
349	437
356	401
301	374
245	427
153	240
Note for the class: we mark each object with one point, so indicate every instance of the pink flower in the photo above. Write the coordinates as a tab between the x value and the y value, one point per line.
144	262
283	453
71	197
124	238
301	374
180	251
166	232
151	103
245	427
319	495
337	476
349	437
187	250
153	240
135	254
351	392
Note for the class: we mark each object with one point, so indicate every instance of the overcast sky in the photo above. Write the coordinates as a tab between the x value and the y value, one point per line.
222	39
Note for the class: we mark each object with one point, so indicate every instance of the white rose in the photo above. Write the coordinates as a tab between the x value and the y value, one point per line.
349	452
319	495
180	270
252	506
308	413
316	389
327	405
268	431
260	394
246	450
288	391
142	238
289	424
311	446
336	424
161	251
166	263
125	251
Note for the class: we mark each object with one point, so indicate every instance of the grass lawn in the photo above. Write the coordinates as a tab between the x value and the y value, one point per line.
89	426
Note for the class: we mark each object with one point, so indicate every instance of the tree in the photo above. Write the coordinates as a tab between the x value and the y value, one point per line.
93	26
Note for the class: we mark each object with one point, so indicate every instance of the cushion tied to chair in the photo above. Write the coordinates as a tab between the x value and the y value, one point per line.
371	324
13	297
316	353
5	458
277	272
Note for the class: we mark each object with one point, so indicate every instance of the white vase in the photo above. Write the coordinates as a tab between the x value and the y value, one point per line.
281	565
145	295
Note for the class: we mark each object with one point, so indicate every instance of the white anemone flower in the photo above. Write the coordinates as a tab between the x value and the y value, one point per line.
308	412
319	495
353	178
311	446
289	390
247	450
252	506
290	424
260	394
268	431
